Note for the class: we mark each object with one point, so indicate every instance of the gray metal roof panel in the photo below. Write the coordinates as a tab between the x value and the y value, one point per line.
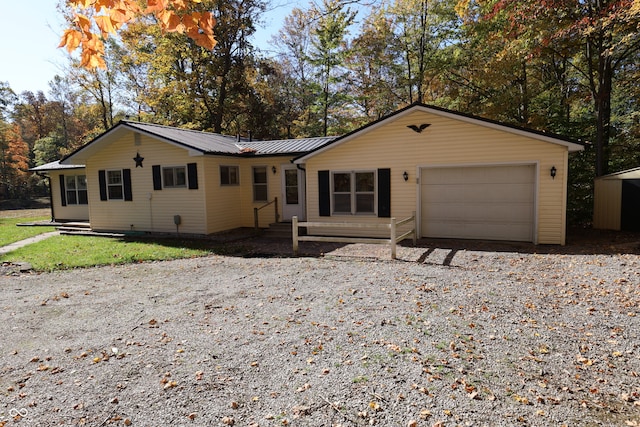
213	143
205	142
54	166
286	146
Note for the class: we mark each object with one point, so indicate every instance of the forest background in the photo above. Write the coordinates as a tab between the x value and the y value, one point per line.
569	67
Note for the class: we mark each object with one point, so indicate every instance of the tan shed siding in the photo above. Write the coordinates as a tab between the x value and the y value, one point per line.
445	142
150	210
69	212
607	204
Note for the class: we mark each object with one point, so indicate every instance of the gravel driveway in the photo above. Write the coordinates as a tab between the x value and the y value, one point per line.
439	337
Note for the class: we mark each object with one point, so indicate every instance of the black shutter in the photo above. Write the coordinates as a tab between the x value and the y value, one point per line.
157	177
126	180
63	193
324	193
384	193
102	180
192	175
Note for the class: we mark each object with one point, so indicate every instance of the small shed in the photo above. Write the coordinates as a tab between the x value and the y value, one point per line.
617	201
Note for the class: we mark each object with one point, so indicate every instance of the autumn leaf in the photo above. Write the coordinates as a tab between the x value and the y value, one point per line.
71	39
105	24
173	16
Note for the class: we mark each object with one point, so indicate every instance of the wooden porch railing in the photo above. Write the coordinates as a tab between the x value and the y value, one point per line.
256	210
392	226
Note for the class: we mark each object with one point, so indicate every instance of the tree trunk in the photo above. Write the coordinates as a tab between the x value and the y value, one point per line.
602	99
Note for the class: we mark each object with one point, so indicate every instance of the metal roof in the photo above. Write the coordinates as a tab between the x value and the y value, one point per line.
286	146
204	142
53	166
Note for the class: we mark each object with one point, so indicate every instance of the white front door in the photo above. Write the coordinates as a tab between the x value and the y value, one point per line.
292	193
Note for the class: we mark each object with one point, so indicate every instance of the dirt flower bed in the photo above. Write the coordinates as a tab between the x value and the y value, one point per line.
443	336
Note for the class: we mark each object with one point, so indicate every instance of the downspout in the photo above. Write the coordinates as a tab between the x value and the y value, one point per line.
304	174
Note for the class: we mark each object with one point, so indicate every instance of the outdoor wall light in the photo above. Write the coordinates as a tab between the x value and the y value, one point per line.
405	175
273	169
553	172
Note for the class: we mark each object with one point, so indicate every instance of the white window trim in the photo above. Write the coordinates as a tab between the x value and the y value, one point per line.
253	183
237	175
76	190
353	192
115	185
186	178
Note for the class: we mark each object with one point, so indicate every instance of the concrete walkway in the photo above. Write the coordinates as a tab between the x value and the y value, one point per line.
17	245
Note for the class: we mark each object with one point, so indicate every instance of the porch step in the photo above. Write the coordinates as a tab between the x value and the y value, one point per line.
278	230
84	229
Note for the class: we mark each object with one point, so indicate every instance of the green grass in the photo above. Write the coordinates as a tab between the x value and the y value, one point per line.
10	233
66	252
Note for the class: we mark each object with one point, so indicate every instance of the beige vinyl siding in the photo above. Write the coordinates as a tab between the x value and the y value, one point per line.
69	212
223	201
607	198
232	206
150	210
445	142
266	216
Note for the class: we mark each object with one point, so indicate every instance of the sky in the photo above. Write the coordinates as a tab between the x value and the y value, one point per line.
30	33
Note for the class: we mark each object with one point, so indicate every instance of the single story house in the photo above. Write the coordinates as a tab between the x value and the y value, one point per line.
616	201
464	176
68	191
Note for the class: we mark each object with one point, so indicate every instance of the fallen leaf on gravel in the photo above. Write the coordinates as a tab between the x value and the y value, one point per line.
300	411
127	422
170	384
228	421
234	405
192	416
303	387
521	399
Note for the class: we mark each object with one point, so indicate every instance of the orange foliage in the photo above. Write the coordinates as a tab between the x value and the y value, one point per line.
15	161
95	20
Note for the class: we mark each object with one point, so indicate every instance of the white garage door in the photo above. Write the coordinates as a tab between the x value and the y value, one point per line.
485	202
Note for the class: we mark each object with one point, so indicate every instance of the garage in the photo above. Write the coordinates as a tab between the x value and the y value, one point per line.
492	202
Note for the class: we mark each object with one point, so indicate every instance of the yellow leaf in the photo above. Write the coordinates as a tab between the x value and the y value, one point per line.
154	6
105	24
83	23
71	39
92	59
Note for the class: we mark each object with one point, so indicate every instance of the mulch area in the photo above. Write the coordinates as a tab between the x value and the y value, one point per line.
579	242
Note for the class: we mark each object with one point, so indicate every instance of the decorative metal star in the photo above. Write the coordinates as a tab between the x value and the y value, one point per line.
138	160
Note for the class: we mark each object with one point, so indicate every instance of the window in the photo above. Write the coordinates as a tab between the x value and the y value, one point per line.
76	189
354	192
115	185
291	186
174	177
260	184
229	175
